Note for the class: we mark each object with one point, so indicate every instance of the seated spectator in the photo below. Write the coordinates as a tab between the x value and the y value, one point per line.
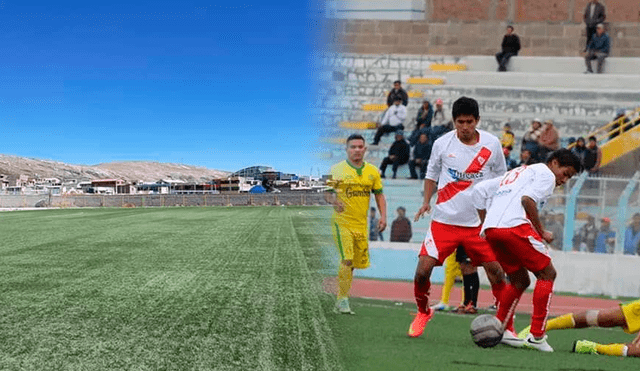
632	236
555	225
592	156
398	155
397	92
606	238
598	48
374	233
511	163
580	149
526	158
508	138
421	154
548	141
510	47
392	120
585	240
439	117
425	114
530	138
401	227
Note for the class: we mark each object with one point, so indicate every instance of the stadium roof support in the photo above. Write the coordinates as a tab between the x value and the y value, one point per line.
569	220
622	212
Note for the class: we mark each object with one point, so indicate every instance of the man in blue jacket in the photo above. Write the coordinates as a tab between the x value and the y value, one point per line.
632	236
598	48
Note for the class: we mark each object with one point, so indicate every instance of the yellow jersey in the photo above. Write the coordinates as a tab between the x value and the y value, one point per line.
353	187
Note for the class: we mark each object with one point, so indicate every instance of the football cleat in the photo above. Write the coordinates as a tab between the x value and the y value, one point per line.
523	334
467	309
419	323
541	344
584	347
441	307
342	307
511	339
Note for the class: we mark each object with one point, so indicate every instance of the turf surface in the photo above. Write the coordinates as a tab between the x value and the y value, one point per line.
216	289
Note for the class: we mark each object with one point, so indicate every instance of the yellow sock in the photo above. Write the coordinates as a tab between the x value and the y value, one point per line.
565	321
345	276
619	350
451	269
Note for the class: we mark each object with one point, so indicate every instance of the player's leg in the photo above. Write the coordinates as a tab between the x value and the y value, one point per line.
619	350
345	243
470	280
451	271
541	299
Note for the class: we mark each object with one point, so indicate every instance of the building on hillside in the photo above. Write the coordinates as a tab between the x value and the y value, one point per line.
252	171
106	186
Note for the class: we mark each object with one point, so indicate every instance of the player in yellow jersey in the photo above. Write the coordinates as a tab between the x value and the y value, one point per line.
626	316
352	182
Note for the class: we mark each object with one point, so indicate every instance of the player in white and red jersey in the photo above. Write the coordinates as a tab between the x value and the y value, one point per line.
459	159
509	209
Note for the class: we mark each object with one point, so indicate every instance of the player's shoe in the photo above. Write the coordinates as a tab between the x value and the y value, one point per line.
524	333
584	347
467	309
342	307
419	323
492	308
511	339
441	307
541	345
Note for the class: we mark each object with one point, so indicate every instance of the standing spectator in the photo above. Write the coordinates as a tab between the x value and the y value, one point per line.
555	226
398	155
585	240
397	92
421	154
510	48
439	117
594	14
606	237
580	150
374	233
530	138
401	227
425	114
598	48
511	163
632	236
526	158
592	156
549	140
391	121
508	138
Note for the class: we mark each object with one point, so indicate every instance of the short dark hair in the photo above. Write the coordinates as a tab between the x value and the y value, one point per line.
355	137
397	82
593	138
565	158
636	214
401	208
465	106
510	26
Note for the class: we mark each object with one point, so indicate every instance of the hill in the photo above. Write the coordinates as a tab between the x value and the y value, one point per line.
14	166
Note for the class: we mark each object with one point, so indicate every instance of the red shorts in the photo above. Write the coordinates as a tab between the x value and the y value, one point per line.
518	247
443	239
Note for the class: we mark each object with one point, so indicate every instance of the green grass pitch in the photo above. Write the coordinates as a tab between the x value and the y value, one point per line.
215	289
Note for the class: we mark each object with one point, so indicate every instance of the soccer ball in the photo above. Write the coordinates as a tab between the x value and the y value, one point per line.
486	331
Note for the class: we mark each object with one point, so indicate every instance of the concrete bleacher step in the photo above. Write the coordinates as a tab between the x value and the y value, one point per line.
613	65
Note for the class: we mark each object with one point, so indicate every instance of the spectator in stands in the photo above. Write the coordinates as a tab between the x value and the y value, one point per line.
439	117
374	233
510	48
392	120
397	92
580	149
526	158
585	240
548	141
554	224
530	138
508	138
511	163
618	121
606	237
421	154
598	48
398	155
425	114
594	14
632	236
592	156
401	227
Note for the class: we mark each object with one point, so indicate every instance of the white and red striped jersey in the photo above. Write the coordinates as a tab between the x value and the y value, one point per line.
457	167
502	197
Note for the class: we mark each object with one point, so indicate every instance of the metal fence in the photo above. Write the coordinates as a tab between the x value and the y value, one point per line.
240	199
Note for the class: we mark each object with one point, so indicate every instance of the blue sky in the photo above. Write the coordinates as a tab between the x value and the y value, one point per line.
196	82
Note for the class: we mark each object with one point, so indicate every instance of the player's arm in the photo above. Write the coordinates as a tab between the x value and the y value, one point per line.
430	186
482	195
531	208
331	198
381	201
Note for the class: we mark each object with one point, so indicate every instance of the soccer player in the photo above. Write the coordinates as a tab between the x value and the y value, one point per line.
352	182
458	160
509	209
626	316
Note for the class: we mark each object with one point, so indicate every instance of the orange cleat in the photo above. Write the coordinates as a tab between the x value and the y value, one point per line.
419	323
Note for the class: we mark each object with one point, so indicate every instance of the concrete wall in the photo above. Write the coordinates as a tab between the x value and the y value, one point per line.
476	27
